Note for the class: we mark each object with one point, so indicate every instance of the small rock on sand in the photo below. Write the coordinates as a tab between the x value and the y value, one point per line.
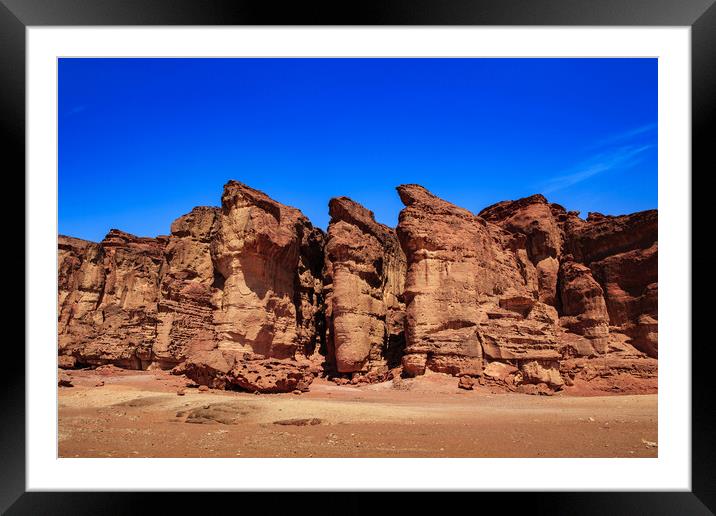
66	362
466	382
299	422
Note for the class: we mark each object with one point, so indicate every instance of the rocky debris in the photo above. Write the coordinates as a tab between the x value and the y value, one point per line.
203	388
254	373
109	370
64	380
466	382
181	391
299	422
207	367
248	372
499	371
271	376
66	362
223	413
546	373
364	278
535	389
400	384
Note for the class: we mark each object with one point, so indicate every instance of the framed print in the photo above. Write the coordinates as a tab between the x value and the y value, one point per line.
393	249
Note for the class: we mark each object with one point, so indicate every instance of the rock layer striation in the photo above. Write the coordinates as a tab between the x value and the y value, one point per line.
252	296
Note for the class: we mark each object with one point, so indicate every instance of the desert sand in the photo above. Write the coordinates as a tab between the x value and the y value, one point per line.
125	413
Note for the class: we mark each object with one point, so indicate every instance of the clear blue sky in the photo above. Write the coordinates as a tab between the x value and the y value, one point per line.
142	141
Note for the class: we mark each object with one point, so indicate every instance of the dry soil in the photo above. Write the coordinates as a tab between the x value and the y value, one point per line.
116	413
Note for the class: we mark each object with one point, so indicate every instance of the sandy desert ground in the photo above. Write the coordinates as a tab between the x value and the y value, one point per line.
139	414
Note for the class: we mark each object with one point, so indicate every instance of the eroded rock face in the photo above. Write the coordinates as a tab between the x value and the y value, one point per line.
227	283
583	307
256	251
526	285
251	296
535	218
541	223
188	297
622	253
365	271
601	236
470	291
108	299
587	267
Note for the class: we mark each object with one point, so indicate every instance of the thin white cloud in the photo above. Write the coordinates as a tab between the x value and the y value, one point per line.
622	157
623	136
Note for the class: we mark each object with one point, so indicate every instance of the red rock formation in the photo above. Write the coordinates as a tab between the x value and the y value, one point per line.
535	218
188	297
257	250
526	295
622	255
230	283
608	267
81	276
267	260
108	299
364	277
583	307
611	267
601	236
541	223
470	291
559	284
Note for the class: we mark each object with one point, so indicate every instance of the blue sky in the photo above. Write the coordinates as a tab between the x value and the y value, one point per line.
142	141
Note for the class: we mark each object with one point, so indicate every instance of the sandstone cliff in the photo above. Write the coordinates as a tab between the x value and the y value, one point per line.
229	287
364	278
602	278
607	267
471	293
524	295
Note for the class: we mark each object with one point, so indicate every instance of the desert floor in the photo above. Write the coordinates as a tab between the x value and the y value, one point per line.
140	414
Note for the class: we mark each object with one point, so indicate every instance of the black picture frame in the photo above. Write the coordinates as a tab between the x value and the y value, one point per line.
700	15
